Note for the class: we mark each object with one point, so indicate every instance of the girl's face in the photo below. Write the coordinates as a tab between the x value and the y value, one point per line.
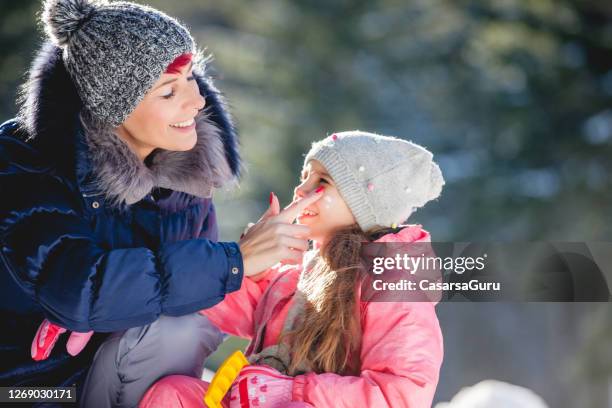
327	214
165	117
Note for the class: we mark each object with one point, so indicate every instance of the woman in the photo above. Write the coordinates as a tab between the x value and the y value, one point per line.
106	218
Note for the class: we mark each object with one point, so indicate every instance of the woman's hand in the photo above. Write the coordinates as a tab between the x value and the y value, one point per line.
274	238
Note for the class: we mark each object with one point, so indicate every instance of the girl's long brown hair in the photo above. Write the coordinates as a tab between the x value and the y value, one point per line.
331	328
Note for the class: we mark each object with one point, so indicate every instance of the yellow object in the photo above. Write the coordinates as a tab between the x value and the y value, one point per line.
224	378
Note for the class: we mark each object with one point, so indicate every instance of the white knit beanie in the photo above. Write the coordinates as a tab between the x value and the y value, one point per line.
382	179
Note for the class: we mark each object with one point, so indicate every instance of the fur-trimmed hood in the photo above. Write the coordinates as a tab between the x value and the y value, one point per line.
101	162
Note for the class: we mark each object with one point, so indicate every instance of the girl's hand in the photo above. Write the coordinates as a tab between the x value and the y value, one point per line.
46	336
274	238
261	387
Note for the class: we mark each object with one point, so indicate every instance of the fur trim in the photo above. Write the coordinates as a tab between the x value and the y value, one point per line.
51	114
123	178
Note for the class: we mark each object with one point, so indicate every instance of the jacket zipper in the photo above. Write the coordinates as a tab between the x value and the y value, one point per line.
90	195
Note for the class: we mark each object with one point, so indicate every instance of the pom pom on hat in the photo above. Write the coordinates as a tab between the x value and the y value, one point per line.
436	182
62	18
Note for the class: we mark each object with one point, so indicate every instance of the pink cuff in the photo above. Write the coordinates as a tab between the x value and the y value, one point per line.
299	382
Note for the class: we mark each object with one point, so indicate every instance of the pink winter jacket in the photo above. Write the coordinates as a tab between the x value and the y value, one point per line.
401	346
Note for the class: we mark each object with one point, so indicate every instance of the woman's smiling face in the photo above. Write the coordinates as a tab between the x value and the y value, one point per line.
165	117
330	212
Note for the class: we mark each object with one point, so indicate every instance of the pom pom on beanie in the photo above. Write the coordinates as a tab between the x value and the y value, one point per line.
62	18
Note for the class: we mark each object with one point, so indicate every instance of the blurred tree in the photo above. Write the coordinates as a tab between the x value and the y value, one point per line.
17	39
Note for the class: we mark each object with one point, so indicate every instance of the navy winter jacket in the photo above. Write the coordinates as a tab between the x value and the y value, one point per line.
92	238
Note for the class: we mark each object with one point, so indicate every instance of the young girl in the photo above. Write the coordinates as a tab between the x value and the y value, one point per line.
314	341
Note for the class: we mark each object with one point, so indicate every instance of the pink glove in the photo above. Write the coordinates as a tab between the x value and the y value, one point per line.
261	387
47	335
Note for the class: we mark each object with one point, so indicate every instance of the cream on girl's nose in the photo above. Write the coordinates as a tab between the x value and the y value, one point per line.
299	192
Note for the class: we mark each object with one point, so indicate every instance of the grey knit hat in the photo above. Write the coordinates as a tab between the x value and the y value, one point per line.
382	179
114	51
